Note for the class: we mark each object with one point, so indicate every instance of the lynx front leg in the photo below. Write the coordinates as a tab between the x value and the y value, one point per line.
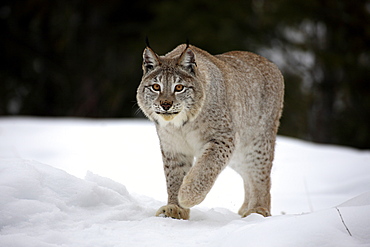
176	166
201	177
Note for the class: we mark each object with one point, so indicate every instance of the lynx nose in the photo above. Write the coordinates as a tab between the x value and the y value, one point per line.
166	105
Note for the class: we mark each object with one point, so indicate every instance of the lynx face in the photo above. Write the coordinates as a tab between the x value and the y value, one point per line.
170	91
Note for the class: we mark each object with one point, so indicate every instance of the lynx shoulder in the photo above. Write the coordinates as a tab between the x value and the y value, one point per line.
211	111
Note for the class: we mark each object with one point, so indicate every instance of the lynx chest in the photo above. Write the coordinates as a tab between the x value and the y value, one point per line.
181	140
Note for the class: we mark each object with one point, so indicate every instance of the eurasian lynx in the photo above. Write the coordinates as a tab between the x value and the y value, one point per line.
210	112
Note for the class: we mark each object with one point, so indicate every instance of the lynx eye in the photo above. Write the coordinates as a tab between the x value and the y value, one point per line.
156	87
179	88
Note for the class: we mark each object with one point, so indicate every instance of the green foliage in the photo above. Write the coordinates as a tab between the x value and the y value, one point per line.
83	58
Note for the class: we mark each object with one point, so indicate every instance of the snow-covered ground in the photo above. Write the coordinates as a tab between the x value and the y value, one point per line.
74	182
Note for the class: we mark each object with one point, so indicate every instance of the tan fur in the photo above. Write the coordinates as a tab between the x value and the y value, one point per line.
227	114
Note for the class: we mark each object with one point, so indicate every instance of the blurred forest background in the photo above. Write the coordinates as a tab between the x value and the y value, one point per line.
83	58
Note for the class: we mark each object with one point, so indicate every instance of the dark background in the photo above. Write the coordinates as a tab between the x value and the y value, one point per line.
83	58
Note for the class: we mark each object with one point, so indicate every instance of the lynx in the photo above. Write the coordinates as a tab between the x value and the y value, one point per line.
210	112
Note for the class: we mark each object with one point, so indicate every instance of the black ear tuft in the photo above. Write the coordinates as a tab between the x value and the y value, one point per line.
147	41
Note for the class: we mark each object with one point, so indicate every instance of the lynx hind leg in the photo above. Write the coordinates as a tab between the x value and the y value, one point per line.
256	177
251	203
173	211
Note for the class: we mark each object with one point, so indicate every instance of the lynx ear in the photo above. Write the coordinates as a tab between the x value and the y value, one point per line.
187	60
150	60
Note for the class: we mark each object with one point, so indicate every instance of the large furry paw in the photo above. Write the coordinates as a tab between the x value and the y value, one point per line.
189	196
173	211
259	210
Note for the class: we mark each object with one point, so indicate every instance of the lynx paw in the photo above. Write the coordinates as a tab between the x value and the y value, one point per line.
260	210
189	196
173	211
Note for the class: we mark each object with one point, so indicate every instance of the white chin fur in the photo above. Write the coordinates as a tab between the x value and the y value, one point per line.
176	120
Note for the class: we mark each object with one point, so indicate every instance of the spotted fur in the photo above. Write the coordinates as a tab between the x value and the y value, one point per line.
210	112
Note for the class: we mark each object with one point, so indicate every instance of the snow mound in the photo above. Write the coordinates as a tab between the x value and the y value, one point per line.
44	206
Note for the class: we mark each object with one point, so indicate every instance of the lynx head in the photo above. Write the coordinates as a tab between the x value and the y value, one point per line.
170	90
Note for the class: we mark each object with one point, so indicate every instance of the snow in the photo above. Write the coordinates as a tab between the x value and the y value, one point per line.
76	182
